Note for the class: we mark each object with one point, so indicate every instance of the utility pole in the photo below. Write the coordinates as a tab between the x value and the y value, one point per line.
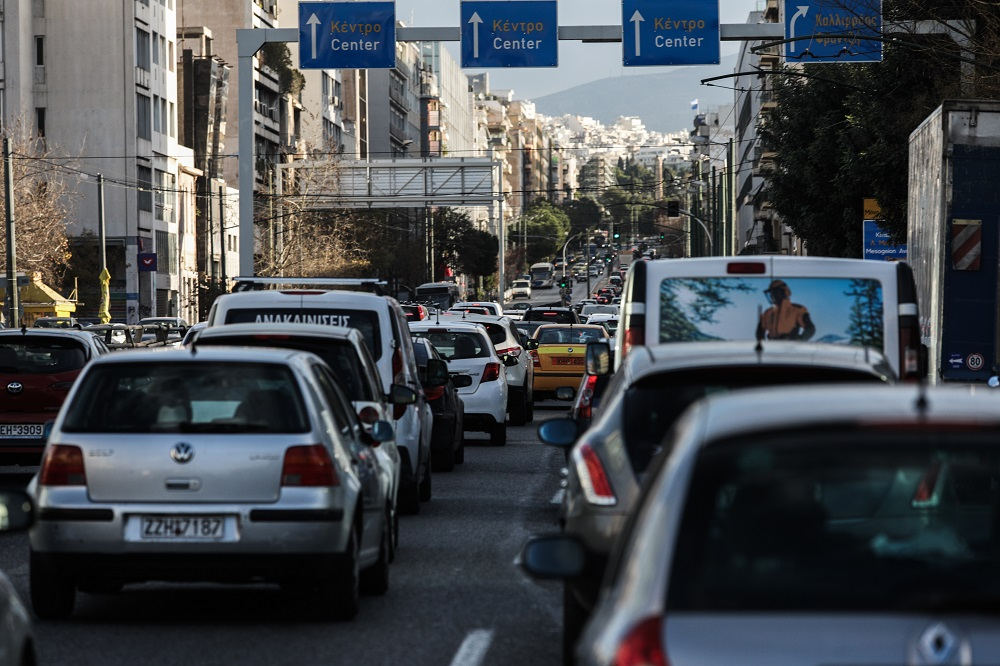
222	233
13	313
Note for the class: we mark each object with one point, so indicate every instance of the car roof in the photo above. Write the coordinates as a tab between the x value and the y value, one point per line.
74	333
824	406
454	325
575	327
643	360
296	330
203	354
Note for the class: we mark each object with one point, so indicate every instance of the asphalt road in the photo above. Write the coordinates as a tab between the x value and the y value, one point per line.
455	596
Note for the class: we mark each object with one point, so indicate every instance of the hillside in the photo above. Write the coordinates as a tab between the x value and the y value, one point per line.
662	100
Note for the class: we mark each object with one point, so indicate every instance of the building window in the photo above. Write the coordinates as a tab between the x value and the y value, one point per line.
144	181
173	121
156	113
163	115
39	51
163	51
164	195
142	49
40	121
143	112
156	51
166	253
170	55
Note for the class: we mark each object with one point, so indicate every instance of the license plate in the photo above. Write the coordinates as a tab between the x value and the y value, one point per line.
167	528
570	361
20	430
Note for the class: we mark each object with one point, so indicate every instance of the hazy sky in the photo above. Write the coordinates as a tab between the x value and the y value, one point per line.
578	63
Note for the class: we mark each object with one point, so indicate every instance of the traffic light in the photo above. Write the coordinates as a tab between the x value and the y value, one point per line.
662	236
673	209
616	235
564	283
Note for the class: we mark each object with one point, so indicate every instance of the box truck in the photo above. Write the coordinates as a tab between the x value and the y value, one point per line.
953	238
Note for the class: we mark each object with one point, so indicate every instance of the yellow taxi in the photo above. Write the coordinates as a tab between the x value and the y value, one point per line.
560	355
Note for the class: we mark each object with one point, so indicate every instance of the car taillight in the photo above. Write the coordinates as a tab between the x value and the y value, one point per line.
397	364
368	415
910	352
586	397
642	646
594	480
308	465
510	351
62	466
434	392
491	372
534	359
634	337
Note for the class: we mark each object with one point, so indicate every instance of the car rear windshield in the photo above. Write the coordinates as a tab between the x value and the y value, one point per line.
181	397
885	519
27	355
847	311
365	321
652	404
551	316
340	355
457	344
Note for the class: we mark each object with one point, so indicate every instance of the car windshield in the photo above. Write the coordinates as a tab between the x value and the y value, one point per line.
875	520
340	355
456	344
188	397
652	404
33	356
365	321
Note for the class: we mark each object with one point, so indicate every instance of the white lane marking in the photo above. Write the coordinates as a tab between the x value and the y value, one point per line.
473	648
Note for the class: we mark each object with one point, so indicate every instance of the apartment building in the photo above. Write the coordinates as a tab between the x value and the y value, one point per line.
100	86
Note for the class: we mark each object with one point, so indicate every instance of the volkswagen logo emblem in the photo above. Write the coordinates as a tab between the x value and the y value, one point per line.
182	452
15	387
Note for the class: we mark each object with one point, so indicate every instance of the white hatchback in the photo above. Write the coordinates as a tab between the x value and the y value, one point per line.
469	351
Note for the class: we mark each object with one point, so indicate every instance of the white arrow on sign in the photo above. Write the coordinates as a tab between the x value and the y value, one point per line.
312	23
476	21
637	19
803	10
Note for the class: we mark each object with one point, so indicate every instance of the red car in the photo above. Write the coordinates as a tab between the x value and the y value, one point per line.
37	369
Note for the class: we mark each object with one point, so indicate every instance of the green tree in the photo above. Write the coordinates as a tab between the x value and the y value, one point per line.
584	213
547	226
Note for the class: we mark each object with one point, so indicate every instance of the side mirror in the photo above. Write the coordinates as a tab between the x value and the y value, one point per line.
382	431
553	556
565	393
598	360
402	395
559	432
531	344
510	361
437	372
461	381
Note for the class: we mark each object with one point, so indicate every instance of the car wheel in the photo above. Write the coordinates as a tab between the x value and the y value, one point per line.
409	498
53	594
425	484
498	434
444	458
574	617
516	408
375	579
340	593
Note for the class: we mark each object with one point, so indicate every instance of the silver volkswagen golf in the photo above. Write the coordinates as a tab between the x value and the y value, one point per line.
217	464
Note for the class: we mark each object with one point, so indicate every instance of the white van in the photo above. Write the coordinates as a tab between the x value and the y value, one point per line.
821	299
382	323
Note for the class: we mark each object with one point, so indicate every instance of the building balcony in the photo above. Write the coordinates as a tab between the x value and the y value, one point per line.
767	100
771	11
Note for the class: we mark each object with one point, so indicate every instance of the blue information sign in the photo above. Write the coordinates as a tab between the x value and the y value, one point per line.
519	33
347	35
670	32
878	244
821	31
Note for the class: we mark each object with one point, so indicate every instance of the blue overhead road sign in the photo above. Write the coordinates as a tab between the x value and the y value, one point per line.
347	35
833	30
518	33
670	32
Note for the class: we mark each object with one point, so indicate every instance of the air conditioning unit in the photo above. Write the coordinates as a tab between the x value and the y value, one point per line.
335	100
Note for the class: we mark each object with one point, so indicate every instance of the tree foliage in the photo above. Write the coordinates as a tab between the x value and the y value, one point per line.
841	131
547	227
43	203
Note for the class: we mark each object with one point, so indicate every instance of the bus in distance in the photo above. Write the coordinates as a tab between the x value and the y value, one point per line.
543	275
441	295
